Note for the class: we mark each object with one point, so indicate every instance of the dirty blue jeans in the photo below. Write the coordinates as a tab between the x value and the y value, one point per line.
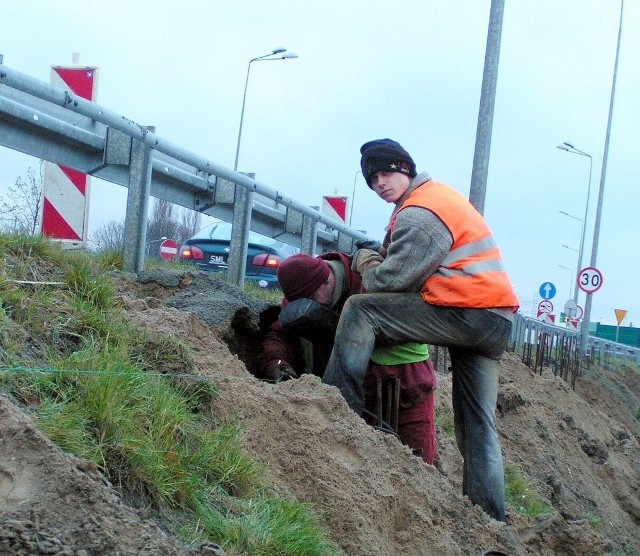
476	338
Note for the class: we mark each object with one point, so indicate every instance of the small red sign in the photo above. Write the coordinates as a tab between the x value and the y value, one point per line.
168	250
545	306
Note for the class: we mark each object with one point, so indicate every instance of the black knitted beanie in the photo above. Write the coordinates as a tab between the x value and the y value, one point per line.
385	155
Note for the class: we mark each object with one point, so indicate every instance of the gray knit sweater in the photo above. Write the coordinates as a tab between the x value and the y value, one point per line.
420	243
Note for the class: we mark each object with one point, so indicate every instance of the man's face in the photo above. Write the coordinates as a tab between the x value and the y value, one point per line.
324	294
390	186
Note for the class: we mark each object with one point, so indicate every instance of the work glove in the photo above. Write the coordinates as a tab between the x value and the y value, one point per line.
365	259
368	244
371	244
279	370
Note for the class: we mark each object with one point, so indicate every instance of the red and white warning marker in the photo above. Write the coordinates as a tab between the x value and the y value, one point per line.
335	207
65	190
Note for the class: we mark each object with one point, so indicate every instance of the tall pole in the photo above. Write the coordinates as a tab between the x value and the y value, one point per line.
482	151
243	197
273	55
569	147
574	284
244	100
584	230
584	335
571	278
353	196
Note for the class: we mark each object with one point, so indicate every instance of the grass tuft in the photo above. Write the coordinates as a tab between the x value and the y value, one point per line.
131	403
265	526
445	420
521	495
270	295
92	291
110	260
593	519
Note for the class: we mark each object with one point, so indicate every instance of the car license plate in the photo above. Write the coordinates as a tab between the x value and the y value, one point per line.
218	260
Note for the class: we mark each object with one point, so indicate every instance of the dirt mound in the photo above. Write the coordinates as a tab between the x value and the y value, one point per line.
373	495
53	503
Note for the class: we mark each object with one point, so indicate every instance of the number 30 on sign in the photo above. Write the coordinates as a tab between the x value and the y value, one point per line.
590	279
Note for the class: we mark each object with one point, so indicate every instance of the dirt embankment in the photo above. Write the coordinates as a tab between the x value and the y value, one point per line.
580	450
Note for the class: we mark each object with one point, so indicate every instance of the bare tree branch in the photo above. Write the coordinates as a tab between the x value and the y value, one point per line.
20	212
162	224
109	236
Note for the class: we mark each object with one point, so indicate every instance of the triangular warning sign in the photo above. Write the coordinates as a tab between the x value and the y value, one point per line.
335	207
547	318
620	314
54	225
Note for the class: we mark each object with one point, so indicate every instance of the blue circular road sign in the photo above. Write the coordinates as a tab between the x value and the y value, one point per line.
547	290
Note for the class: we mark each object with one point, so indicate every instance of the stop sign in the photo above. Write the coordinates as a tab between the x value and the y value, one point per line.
168	250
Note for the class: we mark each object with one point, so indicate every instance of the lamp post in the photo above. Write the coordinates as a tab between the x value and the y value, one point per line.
353	195
570	148
580	250
570	270
574	285
279	53
584	331
480	170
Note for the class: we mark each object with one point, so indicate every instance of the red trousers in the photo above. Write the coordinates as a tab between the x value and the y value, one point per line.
416	413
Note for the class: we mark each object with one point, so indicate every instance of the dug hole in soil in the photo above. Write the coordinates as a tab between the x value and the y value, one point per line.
579	449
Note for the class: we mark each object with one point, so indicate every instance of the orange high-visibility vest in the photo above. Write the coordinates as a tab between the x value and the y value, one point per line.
471	275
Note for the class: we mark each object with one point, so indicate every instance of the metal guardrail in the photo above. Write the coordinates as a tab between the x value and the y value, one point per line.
55	124
604	350
558	348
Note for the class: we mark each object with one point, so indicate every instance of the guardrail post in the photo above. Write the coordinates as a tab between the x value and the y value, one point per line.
240	233
135	222
309	235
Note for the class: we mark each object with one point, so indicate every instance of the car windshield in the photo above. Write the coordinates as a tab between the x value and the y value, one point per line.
222	231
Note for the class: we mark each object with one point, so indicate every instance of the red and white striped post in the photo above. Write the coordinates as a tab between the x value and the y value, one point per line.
65	206
335	207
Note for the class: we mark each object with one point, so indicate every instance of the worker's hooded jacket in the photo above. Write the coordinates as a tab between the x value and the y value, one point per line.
284	344
417	376
472	274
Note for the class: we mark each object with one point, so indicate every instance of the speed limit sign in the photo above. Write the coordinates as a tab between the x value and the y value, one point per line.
590	279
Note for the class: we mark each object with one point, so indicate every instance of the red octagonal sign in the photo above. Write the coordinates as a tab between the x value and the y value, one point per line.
168	250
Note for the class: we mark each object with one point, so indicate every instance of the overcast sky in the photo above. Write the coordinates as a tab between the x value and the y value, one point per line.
408	70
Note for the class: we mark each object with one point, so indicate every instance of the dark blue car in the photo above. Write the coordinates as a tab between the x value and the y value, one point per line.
208	249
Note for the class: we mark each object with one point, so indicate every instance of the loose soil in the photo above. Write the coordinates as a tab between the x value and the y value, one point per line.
578	448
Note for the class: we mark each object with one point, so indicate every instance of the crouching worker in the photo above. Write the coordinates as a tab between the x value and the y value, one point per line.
400	379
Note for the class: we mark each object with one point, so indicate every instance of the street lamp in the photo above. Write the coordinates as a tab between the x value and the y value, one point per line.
582	231
584	332
570	270
574	285
570	148
353	195
279	53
